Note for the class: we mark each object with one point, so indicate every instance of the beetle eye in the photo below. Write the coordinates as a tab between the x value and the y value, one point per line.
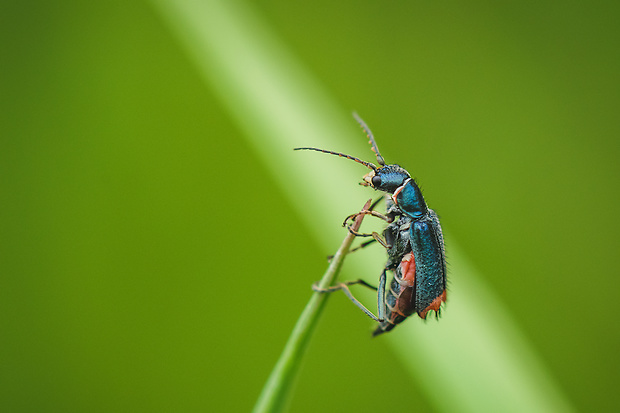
376	181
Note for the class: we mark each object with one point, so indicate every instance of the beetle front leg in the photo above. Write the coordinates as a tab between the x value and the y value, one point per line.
375	235
386	218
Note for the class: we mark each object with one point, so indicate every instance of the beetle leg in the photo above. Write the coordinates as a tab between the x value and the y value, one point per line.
344	286
381	305
375	235
367	212
370	211
362	245
315	286
380	240
359	247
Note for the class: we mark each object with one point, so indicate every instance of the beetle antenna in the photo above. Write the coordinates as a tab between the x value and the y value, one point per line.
371	138
342	155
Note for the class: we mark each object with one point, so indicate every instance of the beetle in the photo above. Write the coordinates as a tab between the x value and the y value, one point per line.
413	239
398	302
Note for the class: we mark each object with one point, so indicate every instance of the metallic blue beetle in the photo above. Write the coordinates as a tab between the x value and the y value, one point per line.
413	240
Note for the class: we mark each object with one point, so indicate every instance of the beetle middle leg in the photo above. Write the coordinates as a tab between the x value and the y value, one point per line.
359	247
362	245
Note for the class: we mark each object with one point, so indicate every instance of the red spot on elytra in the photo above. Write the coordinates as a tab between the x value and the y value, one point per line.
434	305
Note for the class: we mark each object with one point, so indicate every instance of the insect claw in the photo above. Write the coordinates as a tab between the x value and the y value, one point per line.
316	288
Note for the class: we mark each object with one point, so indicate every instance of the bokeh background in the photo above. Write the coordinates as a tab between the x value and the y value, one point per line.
149	261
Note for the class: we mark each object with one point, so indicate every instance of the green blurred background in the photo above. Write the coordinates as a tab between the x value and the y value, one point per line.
149	262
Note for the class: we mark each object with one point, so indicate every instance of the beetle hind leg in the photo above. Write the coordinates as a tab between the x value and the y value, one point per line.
344	286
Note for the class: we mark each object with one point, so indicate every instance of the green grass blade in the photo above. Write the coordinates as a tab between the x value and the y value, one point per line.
276	392
475	359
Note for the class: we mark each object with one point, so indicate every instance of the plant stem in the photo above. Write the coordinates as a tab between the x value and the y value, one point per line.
275	393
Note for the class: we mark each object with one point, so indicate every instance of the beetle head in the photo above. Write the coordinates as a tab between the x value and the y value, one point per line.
385	178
